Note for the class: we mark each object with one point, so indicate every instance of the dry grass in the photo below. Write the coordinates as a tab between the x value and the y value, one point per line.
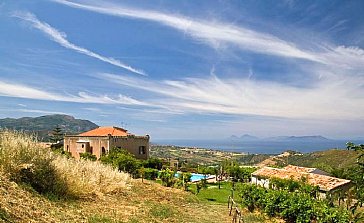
85	178
23	160
144	202
19	151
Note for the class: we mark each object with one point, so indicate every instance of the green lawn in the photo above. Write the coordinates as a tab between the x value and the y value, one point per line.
213	194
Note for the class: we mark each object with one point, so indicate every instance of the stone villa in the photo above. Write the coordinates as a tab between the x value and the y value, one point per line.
101	140
314	176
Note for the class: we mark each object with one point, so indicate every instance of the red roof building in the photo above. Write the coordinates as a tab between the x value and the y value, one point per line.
101	140
105	131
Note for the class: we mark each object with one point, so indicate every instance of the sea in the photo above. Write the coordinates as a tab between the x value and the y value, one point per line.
261	146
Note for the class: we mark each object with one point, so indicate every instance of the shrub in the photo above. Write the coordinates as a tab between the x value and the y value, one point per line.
88	156
184	179
167	177
23	160
150	173
123	160
297	206
154	163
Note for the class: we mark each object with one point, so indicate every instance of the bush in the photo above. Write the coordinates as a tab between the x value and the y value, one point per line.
184	179
150	173
167	177
153	163
88	156
122	160
297	206
23	160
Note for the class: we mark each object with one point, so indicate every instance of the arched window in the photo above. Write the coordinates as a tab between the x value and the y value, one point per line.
103	151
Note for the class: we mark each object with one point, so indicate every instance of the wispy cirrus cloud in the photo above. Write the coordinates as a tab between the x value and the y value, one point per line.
248	97
23	91
61	38
211	33
36	111
219	33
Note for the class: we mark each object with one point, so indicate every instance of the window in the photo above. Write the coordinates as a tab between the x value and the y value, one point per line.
141	150
103	151
68	149
83	146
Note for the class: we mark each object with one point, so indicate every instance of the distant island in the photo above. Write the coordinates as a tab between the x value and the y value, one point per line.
247	137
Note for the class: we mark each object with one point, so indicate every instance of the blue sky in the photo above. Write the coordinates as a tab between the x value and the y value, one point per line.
187	69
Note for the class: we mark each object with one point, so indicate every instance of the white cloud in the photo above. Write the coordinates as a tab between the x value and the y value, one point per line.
31	111
22	91
39	111
244	96
211	33
218	33
61	38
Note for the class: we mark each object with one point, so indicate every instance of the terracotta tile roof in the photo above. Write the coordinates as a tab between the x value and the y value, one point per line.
105	131
325	183
299	169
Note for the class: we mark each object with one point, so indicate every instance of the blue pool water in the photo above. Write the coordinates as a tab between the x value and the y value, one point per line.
195	176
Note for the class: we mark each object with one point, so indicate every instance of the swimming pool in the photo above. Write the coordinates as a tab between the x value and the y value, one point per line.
196	176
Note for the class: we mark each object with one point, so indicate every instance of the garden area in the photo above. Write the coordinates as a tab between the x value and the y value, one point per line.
287	200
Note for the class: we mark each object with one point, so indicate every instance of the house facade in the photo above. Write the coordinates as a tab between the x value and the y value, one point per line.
101	140
315	177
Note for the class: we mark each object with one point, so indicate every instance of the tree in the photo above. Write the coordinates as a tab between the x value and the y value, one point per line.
154	163
167	177
356	174
202	184
56	134
184	179
360	148
123	160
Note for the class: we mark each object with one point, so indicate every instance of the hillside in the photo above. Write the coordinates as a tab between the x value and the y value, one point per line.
43	125
141	202
37	185
326	160
203	156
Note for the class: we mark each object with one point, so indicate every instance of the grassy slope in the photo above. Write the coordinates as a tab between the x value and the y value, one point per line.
326	160
89	191
142	202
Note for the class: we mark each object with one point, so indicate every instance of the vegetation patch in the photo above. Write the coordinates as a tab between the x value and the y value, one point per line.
22	160
4	216
162	211
99	218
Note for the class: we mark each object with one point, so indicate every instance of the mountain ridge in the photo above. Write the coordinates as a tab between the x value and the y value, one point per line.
42	126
